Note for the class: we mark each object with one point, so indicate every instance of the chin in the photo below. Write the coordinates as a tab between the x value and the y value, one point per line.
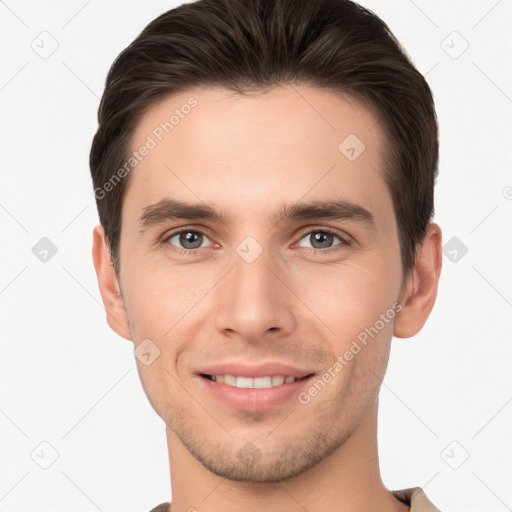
250	464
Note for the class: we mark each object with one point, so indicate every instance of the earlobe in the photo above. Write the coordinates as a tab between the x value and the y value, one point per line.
109	285
420	290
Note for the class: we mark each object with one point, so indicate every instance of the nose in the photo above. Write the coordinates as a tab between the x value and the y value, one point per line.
255	301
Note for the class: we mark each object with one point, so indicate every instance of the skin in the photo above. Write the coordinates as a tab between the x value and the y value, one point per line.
247	156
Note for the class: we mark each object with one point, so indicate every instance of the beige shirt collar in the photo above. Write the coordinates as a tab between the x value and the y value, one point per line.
416	498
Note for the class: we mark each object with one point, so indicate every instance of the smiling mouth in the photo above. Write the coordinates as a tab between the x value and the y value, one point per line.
264	382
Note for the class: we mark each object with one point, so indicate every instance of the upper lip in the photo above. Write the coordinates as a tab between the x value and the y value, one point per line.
263	369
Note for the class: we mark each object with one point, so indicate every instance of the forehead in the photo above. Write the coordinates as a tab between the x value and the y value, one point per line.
289	142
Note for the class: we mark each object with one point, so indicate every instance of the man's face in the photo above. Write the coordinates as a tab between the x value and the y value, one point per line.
249	296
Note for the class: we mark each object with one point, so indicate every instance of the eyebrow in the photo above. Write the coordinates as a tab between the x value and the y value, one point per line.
339	209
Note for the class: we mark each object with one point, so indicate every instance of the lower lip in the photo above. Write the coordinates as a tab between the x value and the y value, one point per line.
252	399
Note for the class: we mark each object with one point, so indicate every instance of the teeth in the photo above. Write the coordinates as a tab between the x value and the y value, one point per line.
262	382
244	382
230	380
277	381
257	382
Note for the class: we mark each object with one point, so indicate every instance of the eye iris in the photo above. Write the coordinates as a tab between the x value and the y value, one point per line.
189	238
322	238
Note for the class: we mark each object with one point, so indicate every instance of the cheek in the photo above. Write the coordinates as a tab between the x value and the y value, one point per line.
349	298
158	297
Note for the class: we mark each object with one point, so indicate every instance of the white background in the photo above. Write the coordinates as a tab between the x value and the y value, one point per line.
67	380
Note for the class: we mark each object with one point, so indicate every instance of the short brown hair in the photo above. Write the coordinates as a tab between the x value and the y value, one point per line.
253	45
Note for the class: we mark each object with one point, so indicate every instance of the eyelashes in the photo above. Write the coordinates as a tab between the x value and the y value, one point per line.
330	235
196	238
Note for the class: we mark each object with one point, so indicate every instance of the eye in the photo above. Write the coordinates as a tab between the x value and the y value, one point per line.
321	239
188	239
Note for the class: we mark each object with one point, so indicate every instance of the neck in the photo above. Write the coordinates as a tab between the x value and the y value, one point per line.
347	480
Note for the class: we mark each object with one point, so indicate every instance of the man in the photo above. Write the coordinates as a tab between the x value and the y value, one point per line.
264	174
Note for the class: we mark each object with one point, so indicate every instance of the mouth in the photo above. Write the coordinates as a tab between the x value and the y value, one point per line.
254	393
263	382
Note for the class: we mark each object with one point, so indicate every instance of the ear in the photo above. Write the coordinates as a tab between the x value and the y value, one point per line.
109	286
420	289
